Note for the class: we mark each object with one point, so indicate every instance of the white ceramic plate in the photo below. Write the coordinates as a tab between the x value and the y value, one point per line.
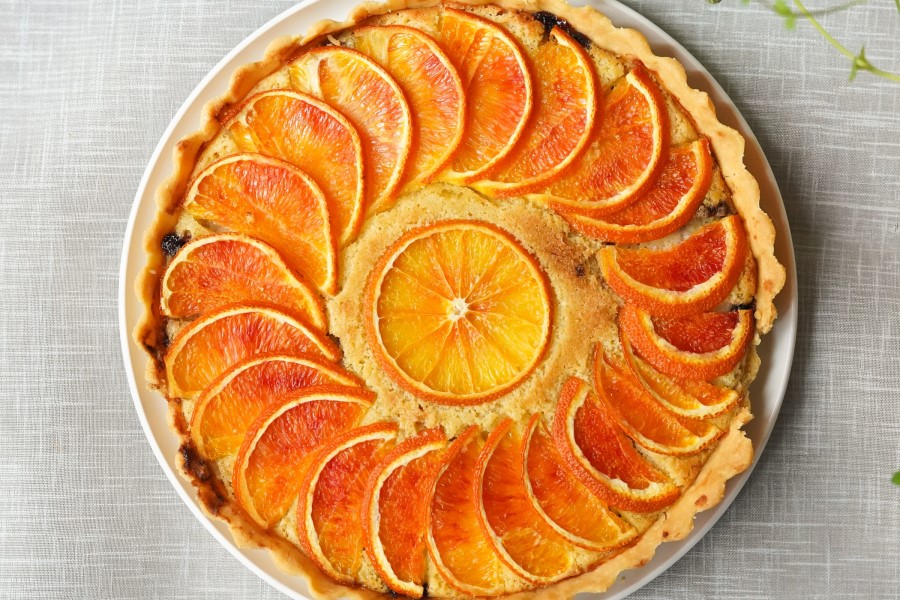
776	351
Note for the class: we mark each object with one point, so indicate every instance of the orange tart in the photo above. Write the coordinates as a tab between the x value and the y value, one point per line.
459	300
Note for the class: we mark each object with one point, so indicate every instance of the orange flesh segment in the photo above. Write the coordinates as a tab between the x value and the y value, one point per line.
218	270
536	550
432	88
403	505
462	312
706	332
278	449
373	102
667	205
625	150
211	344
497	86
560	126
309	134
273	201
564	500
338	499
458	545
230	404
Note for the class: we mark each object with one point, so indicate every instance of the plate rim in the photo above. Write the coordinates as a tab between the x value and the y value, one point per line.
785	327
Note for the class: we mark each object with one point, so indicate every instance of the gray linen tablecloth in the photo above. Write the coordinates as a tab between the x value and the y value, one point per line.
86	90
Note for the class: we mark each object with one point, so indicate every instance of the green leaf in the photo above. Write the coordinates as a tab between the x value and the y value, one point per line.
781	8
896	478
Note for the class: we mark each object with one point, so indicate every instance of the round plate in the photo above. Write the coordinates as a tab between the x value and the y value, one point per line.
776	351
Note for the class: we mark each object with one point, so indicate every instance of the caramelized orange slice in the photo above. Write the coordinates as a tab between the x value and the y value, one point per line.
228	406
273	201
459	549
498	88
600	455
700	346
690	277
308	133
565	106
329	506
398	495
685	397
432	88
370	98
520	537
625	153
205	348
642	418
458	312
215	270
564	503
279	446
667	205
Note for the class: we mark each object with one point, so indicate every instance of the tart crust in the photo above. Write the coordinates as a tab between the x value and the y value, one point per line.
731	456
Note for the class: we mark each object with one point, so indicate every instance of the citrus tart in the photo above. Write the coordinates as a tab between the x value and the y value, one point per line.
457	300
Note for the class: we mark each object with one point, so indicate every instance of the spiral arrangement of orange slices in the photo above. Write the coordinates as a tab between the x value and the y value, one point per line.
457	312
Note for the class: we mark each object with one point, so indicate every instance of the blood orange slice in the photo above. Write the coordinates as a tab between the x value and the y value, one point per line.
562	500
370	98
458	547
228	406
498	88
329	507
215	270
685	397
432	88
273	201
520	537
209	345
600	455
308	133
642	418
559	129
458	312
667	205
398	495
701	347
625	153
279	446
690	277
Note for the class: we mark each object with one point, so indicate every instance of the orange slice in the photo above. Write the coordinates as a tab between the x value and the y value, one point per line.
564	503
432	88
565	106
459	313
215	270
329	507
398	495
498	88
311	135
684	397
642	418
690	277
625	153
701	347
273	201
228	406
279	446
209	345
667	205
370	98
459	549
600	455
520	537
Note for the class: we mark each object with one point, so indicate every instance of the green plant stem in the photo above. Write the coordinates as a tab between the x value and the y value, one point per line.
860	62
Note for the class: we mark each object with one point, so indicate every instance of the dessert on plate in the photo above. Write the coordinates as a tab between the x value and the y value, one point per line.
457	299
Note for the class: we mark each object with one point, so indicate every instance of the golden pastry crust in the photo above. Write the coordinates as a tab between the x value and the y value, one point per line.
538	231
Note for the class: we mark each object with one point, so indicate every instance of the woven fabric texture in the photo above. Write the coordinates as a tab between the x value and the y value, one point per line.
87	88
